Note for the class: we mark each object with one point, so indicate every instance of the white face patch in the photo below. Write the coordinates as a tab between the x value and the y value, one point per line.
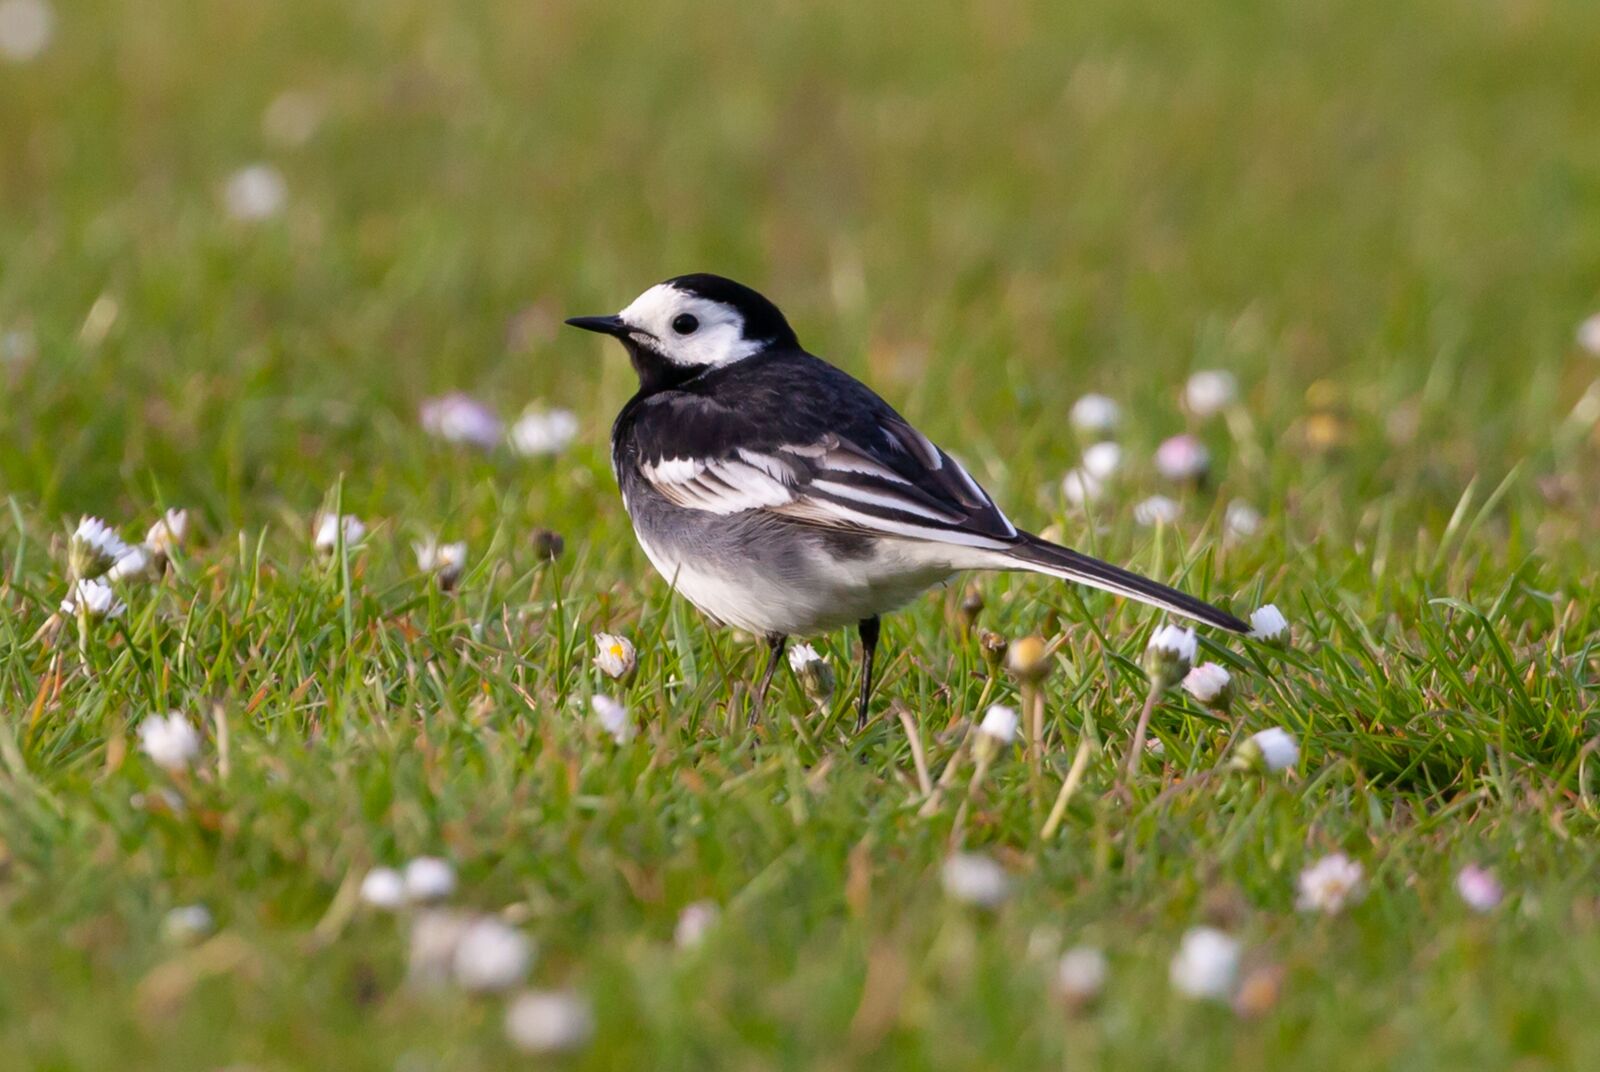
716	337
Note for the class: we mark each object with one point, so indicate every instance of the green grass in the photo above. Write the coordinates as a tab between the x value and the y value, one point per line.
1384	218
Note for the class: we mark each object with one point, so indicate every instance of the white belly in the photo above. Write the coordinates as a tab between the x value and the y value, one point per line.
832	592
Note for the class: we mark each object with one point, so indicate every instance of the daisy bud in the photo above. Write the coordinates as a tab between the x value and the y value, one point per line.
136	564
1268	625
382	887
459	418
95	598
445	561
1183	459
972	878
548	544
490	955
1095	413
1329	884
1206	964
428	878
329	529
549	1021
815	675
1211	685
1029	659
540	432
1209	392
1102	460
694	922
1169	655
93	549
971	605
614	656
168	534
1479	888
1081	975
1270	750
994	647
1156	510
170	740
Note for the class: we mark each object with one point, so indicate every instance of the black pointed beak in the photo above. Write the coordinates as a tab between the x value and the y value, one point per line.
605	325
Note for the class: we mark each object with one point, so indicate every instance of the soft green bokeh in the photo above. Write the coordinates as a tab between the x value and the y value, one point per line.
1385	219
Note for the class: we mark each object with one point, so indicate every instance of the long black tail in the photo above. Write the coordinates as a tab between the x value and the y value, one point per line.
1042	556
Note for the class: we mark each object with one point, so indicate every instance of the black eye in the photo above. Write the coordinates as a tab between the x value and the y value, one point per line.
685	323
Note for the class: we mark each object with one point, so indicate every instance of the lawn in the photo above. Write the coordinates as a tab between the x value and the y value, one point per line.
243	244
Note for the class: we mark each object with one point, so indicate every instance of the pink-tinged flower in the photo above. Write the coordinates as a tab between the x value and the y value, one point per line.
1479	888
1329	884
1183	458
170	740
460	418
1268	625
694	922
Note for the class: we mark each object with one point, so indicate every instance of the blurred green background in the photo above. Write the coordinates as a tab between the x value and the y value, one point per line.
985	209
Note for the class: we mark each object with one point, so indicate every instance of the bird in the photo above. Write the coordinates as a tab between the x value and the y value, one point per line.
782	496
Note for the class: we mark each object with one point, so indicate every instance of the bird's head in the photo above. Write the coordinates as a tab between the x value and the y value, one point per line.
680	328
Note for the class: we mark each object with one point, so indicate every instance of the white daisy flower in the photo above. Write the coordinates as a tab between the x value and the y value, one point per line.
1081	974
97	598
539	432
446	561
329	528
428	878
1170	654
383	887
549	1021
1479	888
1209	392
974	879
26	27
1210	684
1156	510
460	418
255	193
1588	335
1268	625
170	740
136	564
187	924
1241	520
613	718
1102	460
1182	458
1080	486
490	955
1095	413
813	672
614	656
169	533
93	549
1273	749
1206	964
1329	884
999	724
696	919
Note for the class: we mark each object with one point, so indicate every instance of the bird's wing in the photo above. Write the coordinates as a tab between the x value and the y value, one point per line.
875	474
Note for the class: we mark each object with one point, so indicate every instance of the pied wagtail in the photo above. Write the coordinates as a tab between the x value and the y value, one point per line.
781	496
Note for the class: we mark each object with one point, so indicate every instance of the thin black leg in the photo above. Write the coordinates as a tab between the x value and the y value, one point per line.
870	627
774	657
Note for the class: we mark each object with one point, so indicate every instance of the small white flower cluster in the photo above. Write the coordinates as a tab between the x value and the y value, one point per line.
1206	965
971	878
423	880
1330	884
445	562
479	953
255	194
541	432
328	531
